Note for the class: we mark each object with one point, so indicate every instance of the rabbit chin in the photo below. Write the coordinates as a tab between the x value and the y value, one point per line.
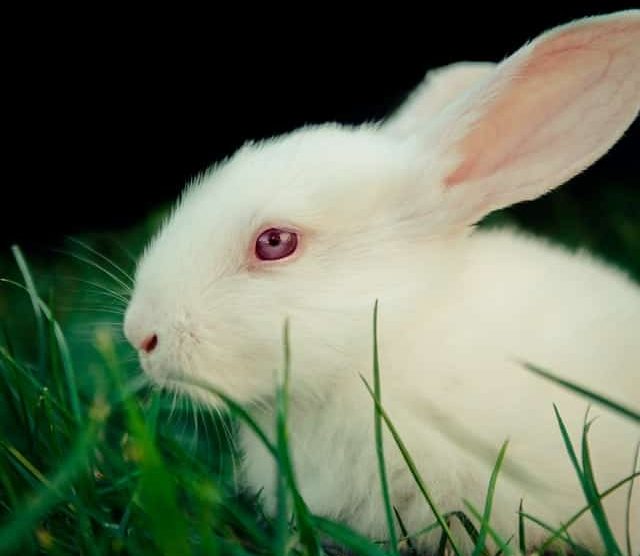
206	376
204	393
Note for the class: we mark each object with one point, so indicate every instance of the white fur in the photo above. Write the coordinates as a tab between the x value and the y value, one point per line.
384	212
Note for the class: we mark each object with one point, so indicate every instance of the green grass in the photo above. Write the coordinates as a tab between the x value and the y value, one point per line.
93	461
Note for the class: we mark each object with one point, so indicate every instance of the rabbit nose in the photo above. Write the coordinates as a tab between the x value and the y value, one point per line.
149	343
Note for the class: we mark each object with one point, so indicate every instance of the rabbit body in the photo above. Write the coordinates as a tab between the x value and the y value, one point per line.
386	212
455	392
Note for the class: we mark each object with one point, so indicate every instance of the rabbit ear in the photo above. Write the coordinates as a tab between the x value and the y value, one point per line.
544	115
438	89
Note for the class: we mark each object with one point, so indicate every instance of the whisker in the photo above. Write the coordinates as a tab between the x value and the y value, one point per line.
105	324
101	310
99	267
233	448
174	401
124	250
90	336
103	257
194	414
97	299
200	416
219	441
102	289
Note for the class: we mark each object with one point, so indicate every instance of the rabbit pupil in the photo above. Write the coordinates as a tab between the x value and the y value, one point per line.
274	239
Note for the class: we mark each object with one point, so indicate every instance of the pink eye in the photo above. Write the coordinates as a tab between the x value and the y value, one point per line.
274	244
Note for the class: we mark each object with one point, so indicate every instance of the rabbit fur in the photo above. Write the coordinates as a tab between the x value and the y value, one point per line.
387	212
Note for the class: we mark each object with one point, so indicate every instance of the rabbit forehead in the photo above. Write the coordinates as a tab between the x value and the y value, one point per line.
315	176
322	179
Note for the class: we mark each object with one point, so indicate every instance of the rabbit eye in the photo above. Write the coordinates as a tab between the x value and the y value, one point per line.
274	244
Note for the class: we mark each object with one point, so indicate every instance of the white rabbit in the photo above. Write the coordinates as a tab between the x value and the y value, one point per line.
316	225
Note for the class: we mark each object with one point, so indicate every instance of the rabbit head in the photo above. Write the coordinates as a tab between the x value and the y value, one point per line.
315	225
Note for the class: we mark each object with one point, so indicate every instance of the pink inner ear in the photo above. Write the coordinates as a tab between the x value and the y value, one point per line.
535	89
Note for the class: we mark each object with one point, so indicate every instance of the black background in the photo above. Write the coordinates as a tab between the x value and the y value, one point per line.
107	115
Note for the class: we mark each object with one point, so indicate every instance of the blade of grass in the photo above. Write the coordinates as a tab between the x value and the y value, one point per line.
568	445
6	338
24	462
585	509
15	395
503	545
247	520
636	464
556	534
413	469
347	537
590	394
57	380
484	524
522	543
282	495
442	545
377	421
7	486
592	495
411	549
156	491
63	350
466	523
584	481
33	383
208	500
67	363
33	296
302	514
23	522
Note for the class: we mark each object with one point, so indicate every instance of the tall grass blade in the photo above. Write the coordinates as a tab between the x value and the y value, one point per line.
442	545
414	470
593	497
377	421
585	476
157	491
33	296
568	444
522	542
589	394
24	379
67	363
347	537
557	533
406	539
484	524
63	350
6	339
15	392
634	470
502	545
467	525
302	514
13	533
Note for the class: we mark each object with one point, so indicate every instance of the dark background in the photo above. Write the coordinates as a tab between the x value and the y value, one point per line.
108	115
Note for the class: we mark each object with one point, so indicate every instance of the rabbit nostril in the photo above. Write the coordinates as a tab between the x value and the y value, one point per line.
149	343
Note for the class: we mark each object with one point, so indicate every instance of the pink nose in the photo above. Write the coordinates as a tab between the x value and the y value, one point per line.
149	343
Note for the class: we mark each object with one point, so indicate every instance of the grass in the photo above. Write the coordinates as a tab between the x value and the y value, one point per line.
93	461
